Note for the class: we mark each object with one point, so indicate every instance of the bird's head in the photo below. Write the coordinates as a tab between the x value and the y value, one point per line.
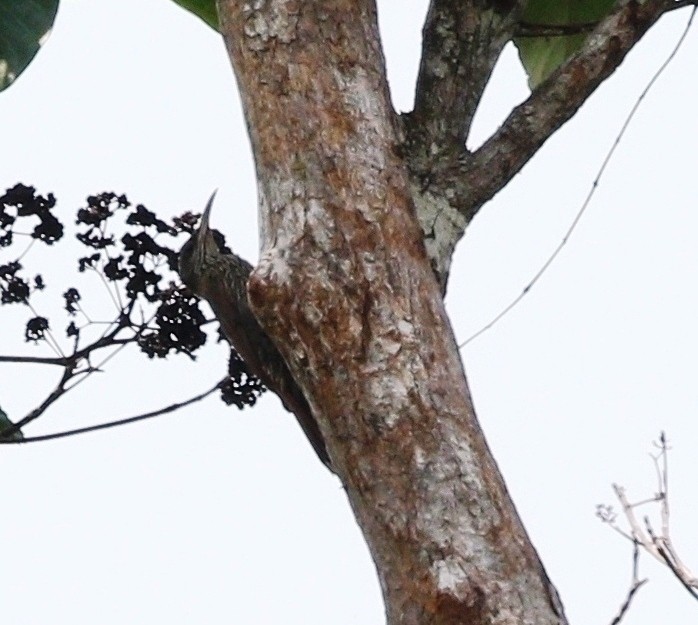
200	253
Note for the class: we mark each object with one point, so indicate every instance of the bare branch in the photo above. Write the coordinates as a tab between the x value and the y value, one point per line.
659	546
555	101
667	553
112	424
35	360
53	396
607	515
63	361
635	585
448	184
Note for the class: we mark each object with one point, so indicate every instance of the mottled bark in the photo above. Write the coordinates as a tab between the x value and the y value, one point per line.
359	213
450	184
461	44
554	102
346	290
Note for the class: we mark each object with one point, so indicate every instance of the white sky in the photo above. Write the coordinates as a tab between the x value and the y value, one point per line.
215	516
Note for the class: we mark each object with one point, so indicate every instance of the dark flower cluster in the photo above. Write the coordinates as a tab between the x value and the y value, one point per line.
13	287
177	324
136	259
23	201
164	317
36	329
241	387
72	297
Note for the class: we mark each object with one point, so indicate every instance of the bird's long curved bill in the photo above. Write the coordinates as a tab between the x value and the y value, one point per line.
203	224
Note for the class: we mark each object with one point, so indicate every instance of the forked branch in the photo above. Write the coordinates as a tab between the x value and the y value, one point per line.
555	101
642	532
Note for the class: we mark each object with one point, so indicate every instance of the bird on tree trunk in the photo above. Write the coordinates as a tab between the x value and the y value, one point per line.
221	279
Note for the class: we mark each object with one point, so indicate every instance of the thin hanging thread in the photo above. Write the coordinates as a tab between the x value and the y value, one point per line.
590	195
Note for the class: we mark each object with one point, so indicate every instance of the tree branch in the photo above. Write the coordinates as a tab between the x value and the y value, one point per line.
63	361
659	546
35	360
635	585
461	44
628	600
112	424
448	184
53	396
70	370
670	558
554	102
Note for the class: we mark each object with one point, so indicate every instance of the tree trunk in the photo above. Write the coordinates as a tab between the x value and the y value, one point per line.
352	297
346	290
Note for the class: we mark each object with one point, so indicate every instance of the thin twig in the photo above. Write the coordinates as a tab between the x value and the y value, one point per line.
53	396
660	546
108	424
106	286
635	585
668	556
63	361
70	370
34	360
24	253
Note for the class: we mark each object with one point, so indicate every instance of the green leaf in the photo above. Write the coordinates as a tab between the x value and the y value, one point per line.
205	9
24	26
6	423
541	56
